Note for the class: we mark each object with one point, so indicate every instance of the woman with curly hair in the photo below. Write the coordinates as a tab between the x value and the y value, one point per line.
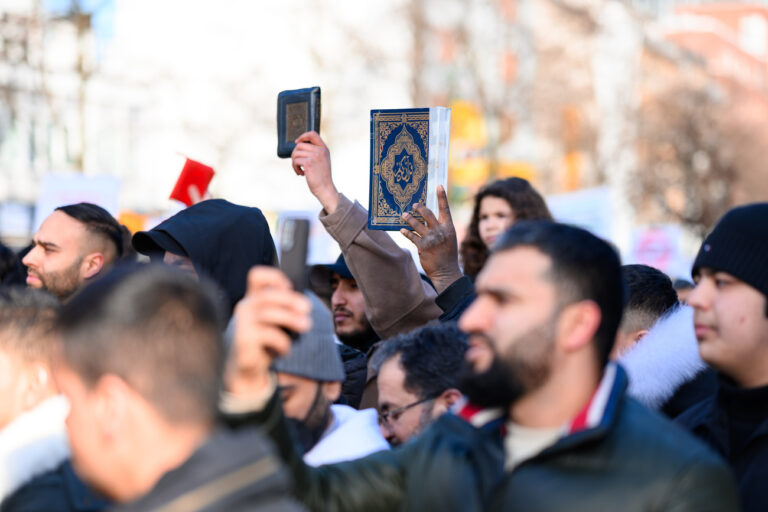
498	205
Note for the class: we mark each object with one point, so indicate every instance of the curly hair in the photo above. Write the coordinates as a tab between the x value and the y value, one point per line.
526	204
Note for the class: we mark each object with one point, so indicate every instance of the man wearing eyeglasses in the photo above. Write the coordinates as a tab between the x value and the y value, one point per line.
418	379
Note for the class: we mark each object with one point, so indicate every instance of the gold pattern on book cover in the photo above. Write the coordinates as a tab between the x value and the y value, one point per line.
403	169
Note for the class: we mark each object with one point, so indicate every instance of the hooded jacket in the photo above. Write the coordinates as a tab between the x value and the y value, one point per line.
222	239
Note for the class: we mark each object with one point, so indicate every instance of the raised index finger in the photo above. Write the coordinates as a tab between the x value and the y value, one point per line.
442	204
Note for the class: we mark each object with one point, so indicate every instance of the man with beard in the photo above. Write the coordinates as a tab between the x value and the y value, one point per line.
396	299
74	244
309	380
548	425
335	285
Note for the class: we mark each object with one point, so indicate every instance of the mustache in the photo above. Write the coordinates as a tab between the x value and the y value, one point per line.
340	309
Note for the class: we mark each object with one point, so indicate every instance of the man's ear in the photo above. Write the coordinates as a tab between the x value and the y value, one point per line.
577	325
111	395
37	385
331	390
91	265
444	402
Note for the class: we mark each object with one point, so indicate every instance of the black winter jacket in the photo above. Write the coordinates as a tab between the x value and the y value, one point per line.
617	456
232	471
59	490
735	424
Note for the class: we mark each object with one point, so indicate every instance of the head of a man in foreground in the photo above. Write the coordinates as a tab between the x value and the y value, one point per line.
140	361
549	303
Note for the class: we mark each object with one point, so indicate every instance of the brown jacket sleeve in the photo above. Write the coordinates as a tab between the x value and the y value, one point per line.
398	300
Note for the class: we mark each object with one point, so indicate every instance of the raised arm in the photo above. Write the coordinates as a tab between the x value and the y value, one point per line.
395	295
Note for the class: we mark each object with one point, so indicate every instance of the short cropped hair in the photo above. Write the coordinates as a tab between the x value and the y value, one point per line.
431	358
650	296
583	267
156	328
26	319
99	222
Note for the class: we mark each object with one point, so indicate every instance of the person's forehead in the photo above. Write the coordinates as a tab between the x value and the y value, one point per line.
61	229
520	267
391	383
288	380
345	280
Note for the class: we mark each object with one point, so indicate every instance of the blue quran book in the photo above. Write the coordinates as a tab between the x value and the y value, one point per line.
409	159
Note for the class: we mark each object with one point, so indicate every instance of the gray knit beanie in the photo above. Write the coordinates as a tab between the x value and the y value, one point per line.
739	245
315	355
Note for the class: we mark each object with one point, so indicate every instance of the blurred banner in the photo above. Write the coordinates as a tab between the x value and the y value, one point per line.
63	189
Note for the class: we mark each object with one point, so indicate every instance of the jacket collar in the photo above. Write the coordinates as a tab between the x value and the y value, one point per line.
594	420
33	444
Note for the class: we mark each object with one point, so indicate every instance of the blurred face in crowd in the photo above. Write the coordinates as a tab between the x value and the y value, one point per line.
512	327
91	428
13	386
402	414
61	258
494	218
307	405
349	314
731	326
180	262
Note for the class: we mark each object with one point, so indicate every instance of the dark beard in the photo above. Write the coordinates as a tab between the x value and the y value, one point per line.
523	368
362	340
310	430
498	386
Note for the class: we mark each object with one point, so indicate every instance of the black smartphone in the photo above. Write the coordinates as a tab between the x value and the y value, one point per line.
294	243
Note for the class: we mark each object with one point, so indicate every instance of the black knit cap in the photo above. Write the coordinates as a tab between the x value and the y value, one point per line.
739	245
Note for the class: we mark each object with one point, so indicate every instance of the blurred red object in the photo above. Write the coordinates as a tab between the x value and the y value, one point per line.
193	174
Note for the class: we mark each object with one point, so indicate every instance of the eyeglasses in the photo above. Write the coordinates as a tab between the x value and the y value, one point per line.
394	414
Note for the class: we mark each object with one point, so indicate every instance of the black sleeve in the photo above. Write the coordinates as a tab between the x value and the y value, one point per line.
456	298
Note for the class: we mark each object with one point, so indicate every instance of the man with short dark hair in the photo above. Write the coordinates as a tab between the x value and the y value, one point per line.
141	360
548	425
730	303
73	245
418	379
650	296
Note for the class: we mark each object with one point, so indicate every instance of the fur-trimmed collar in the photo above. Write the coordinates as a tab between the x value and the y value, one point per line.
664	359
32	444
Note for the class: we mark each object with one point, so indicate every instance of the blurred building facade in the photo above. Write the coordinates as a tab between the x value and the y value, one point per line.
570	94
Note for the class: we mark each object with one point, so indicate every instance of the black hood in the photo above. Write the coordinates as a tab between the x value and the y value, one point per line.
222	239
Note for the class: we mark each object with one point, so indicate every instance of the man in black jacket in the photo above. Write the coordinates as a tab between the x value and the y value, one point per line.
141	359
730	304
547	426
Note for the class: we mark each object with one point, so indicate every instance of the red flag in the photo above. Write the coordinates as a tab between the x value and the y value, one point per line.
193	173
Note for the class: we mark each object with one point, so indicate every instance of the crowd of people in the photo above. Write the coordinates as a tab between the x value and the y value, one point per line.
525	369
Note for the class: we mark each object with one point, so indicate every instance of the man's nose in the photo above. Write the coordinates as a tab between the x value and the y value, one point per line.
700	296
30	260
475	318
